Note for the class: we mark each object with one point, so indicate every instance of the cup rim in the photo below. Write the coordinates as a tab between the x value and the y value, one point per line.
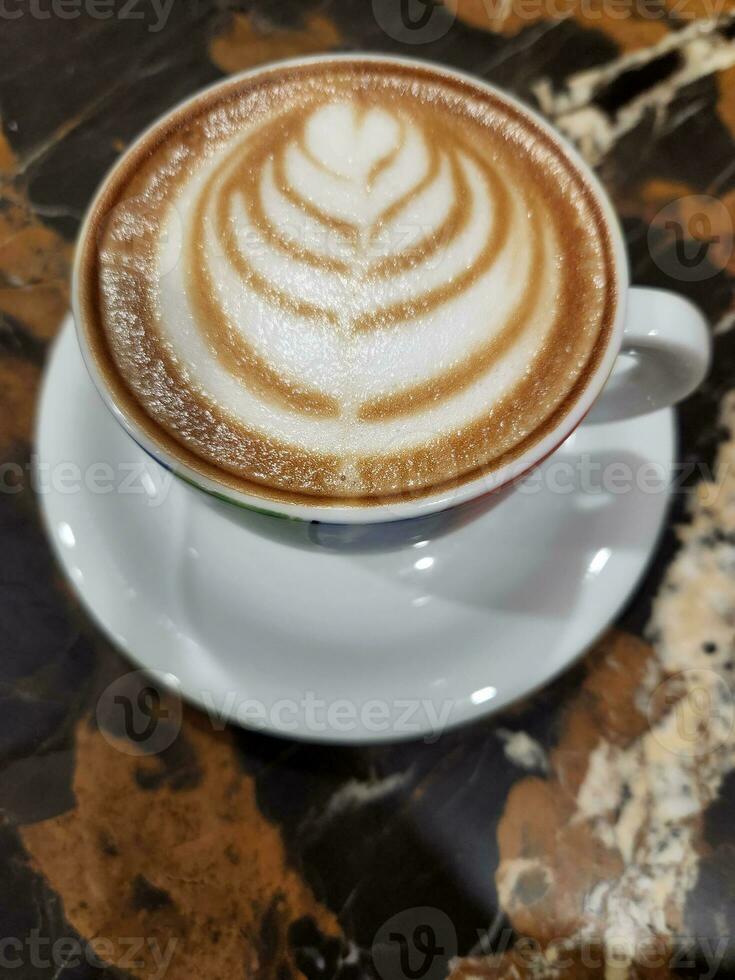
429	503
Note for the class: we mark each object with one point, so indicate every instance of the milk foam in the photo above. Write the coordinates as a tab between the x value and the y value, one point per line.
355	273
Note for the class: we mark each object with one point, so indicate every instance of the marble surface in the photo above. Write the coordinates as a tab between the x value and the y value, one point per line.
586	832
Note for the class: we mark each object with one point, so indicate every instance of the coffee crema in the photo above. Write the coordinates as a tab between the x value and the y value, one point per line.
347	282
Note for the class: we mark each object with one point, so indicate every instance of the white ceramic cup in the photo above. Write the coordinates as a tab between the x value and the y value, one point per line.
662	337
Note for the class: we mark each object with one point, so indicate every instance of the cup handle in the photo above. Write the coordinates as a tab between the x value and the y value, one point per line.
664	356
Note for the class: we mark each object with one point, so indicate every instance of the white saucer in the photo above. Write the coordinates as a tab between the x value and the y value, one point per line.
339	645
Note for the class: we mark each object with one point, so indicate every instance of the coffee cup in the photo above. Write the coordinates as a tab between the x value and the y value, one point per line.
654	351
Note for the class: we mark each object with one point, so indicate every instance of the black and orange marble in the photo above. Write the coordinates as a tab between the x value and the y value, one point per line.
530	845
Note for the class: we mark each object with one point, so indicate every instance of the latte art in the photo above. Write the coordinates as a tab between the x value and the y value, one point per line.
349	281
390	228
